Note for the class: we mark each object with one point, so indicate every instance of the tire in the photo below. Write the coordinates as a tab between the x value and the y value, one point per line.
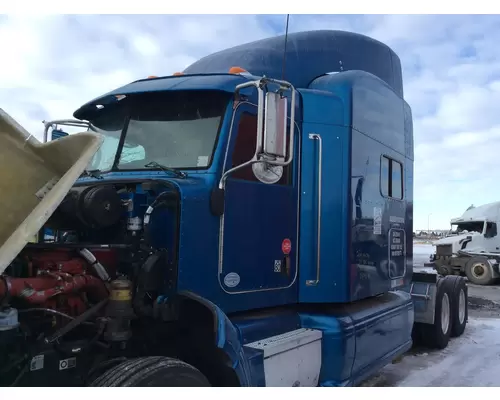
444	270
441	267
152	371
418	335
438	335
459	305
478	271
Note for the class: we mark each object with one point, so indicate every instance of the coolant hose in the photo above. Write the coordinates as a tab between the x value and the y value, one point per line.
39	289
99	268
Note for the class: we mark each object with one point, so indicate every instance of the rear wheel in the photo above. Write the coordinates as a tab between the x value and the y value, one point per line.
459	306
438	334
461	313
478	271
152	371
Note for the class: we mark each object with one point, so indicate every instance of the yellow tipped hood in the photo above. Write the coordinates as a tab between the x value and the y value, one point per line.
34	179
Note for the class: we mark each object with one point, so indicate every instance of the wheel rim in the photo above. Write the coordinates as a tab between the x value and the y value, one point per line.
445	313
478	270
461	307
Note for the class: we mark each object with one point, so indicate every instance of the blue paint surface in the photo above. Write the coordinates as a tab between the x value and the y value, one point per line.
256	325
308	56
327	113
362	337
257	218
227	338
369	120
223	82
358	338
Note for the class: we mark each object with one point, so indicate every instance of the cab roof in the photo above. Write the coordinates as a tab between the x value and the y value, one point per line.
220	82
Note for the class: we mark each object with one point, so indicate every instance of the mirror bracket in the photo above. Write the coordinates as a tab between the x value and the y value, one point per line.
217	201
65	122
274	106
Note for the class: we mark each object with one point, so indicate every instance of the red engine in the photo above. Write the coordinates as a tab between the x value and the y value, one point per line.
60	279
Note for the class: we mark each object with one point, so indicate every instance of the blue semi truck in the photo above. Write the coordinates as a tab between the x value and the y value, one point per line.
247	222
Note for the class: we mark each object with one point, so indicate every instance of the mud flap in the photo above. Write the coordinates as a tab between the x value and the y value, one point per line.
423	293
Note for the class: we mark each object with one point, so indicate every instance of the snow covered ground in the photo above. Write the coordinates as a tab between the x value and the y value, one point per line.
470	360
421	254
423	249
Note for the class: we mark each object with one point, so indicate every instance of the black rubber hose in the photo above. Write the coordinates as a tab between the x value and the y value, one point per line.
53	312
77	321
162	201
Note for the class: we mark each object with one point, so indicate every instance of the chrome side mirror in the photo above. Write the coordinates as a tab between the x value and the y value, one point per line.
272	122
275	124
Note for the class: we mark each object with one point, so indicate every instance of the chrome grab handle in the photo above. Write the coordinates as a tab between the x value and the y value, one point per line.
67	122
315	136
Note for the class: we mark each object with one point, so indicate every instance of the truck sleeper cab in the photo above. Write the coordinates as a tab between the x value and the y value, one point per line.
247	223
472	248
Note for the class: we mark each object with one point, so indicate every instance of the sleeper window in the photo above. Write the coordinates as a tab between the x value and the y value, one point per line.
391	178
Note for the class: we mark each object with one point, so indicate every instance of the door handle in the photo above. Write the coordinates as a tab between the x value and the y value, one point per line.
315	136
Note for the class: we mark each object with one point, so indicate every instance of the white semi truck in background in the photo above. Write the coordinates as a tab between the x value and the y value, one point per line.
472	247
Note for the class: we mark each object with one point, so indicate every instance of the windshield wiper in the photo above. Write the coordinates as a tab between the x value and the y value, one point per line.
154	164
93	173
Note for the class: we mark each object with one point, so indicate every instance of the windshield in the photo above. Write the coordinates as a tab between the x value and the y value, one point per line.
463	227
175	129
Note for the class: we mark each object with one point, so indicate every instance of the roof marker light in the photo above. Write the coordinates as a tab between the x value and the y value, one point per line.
237	70
152	76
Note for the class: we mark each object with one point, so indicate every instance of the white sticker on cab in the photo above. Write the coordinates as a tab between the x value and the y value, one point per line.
232	280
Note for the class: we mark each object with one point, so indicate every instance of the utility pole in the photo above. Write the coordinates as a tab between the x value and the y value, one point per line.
429	224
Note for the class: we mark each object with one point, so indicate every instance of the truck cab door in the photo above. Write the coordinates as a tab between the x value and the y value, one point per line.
324	209
491	238
258	230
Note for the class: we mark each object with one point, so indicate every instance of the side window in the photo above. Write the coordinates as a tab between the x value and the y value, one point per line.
391	178
384	176
244	150
397	180
491	230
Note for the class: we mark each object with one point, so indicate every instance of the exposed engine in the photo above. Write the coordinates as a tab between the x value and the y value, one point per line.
101	261
60	279
89	207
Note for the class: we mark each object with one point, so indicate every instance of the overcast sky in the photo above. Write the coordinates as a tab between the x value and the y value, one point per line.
451	69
